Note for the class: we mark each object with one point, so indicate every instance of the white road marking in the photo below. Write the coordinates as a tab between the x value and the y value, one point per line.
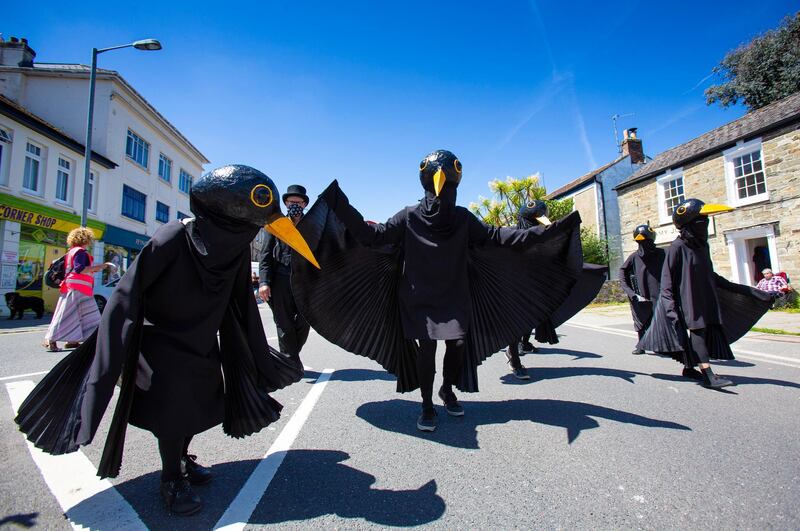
242	507
88	501
18	376
740	353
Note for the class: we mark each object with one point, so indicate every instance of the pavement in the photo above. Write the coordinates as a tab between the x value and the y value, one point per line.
598	438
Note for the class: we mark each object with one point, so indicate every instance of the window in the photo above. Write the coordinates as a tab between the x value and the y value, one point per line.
137	149
744	173
90	208
185	182
31	177
133	203
63	179
670	194
164	168
162	212
181	215
5	154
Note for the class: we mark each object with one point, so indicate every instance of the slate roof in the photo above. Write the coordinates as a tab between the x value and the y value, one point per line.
750	125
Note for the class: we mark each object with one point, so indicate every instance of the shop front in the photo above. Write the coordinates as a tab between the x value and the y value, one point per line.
33	236
120	247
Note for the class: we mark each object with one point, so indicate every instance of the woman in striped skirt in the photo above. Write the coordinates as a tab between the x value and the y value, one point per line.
76	316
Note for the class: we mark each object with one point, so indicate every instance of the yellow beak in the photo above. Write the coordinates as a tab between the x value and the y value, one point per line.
710	209
283	228
438	181
544	220
639	237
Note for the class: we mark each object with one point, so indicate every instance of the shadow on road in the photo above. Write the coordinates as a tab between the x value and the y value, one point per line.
399	416
309	483
577	354
313	483
22	520
552	373
352	375
738	380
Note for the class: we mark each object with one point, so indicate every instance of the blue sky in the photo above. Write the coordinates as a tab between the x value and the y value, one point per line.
362	91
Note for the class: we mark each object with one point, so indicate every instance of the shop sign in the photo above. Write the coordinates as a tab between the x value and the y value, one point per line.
30	217
11	257
8	277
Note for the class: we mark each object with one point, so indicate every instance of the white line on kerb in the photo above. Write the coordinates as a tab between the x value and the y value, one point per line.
741	353
242	507
88	501
18	376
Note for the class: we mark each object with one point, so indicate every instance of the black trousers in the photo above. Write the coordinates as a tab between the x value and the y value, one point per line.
292	327
512	353
171	451
426	366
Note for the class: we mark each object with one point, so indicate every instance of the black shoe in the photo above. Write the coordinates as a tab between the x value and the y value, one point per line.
451	404
179	497
692	373
712	381
520	373
637	351
527	348
427	420
196	473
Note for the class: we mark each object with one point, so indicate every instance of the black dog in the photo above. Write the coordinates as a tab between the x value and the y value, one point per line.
17	304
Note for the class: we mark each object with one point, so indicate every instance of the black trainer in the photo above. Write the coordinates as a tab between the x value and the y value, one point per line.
527	348
692	373
427	420
179	497
637	351
712	381
451	404
520	373
196	473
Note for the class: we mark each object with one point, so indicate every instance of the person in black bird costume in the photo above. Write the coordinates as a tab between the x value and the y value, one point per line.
158	337
274	284
699	313
532	214
432	272
640	278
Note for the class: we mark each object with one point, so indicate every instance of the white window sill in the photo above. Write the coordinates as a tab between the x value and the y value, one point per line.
143	168
123	216
31	193
763	198
59	202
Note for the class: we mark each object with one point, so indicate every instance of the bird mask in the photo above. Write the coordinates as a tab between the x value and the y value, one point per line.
691	217
533	213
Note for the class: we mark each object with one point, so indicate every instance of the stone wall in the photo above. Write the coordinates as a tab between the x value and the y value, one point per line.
610	292
705	179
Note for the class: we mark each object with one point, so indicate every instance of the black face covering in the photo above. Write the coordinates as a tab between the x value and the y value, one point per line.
646	246
438	213
696	232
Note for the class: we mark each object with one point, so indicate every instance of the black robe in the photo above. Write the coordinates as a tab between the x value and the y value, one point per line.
693	296
640	274
432	271
159	332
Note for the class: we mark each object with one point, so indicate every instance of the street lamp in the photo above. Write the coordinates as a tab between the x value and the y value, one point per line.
147	45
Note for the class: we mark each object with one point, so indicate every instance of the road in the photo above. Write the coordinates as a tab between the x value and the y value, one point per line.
598	438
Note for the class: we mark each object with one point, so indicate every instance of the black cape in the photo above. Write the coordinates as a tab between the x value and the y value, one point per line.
640	274
382	286
693	296
164	317
582	293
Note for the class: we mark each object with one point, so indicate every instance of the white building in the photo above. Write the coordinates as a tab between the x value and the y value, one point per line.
142	169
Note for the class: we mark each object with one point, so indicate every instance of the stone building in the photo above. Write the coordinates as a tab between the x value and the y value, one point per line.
753	164
593	194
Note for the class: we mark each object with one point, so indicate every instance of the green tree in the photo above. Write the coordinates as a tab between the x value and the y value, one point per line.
762	71
509	195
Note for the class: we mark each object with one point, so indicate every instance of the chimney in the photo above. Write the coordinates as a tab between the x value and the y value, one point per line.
632	146
16	52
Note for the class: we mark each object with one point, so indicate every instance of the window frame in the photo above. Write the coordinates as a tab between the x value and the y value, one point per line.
146	149
70	176
661	183
40	158
6	146
92	192
131	215
164	159
181	174
182	215
741	149
166	218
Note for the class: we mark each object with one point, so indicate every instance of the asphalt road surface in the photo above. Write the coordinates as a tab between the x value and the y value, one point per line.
598	438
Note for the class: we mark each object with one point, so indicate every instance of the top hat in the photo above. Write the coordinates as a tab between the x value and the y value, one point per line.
295	189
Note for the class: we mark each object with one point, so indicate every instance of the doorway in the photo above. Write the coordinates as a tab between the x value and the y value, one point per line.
752	250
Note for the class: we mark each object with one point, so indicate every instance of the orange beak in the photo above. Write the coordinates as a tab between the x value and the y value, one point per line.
438	181
283	228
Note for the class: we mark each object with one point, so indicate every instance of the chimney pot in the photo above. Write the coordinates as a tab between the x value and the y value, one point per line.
632	146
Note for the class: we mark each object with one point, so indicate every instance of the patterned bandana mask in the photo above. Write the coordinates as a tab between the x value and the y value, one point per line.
294	210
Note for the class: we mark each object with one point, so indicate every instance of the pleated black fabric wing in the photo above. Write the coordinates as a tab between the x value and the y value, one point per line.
352	300
583	292
514	290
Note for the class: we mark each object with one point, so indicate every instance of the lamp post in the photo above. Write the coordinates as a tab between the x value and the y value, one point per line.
146	44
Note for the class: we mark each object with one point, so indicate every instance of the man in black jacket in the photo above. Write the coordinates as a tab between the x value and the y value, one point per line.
274	282
640	278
